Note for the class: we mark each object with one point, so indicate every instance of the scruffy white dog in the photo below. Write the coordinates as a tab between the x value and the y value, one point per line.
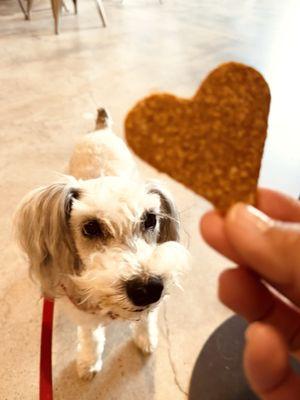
104	242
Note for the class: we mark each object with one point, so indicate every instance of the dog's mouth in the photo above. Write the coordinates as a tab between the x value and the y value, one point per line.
116	311
127	314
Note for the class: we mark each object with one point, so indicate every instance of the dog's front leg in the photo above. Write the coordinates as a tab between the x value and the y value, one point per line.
145	332
89	351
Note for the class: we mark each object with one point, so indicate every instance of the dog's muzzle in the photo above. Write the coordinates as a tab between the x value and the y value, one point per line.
143	292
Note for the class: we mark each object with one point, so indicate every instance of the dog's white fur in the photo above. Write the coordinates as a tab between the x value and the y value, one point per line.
89	275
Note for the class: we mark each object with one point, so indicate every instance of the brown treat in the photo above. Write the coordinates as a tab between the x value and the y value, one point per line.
213	143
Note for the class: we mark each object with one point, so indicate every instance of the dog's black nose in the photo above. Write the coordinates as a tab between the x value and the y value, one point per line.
143	292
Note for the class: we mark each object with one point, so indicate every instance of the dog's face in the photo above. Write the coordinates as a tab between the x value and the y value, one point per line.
110	243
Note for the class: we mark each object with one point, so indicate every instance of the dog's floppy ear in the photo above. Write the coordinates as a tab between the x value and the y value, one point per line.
43	232
71	194
169	222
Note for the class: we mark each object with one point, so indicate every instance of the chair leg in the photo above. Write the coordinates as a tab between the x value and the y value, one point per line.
23	9
29	7
102	12
65	7
56	10
75	6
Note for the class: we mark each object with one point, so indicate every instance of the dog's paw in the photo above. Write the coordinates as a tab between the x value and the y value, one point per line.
145	343
87	371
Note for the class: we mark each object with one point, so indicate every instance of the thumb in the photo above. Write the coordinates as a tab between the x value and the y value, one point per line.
269	247
266	364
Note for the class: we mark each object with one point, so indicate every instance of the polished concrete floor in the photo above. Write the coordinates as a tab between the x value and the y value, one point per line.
50	87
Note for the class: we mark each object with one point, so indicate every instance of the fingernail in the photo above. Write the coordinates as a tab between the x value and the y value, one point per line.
249	215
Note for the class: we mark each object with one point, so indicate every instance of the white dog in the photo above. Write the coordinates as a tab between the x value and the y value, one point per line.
103	242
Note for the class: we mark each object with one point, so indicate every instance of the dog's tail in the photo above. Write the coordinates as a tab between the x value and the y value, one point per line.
103	119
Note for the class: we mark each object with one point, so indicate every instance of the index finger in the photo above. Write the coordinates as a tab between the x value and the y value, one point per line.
278	206
274	204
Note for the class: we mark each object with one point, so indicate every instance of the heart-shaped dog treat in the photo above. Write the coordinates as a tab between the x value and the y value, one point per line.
212	143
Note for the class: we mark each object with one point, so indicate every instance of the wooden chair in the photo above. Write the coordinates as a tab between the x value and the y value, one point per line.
56	10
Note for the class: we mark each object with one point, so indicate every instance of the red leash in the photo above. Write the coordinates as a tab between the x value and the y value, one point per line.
46	392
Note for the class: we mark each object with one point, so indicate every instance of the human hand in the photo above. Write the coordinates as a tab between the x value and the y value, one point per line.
265	287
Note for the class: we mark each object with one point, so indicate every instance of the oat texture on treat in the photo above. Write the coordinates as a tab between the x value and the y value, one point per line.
212	143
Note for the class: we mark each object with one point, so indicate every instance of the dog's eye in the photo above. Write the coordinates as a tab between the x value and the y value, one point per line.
149	221
92	229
